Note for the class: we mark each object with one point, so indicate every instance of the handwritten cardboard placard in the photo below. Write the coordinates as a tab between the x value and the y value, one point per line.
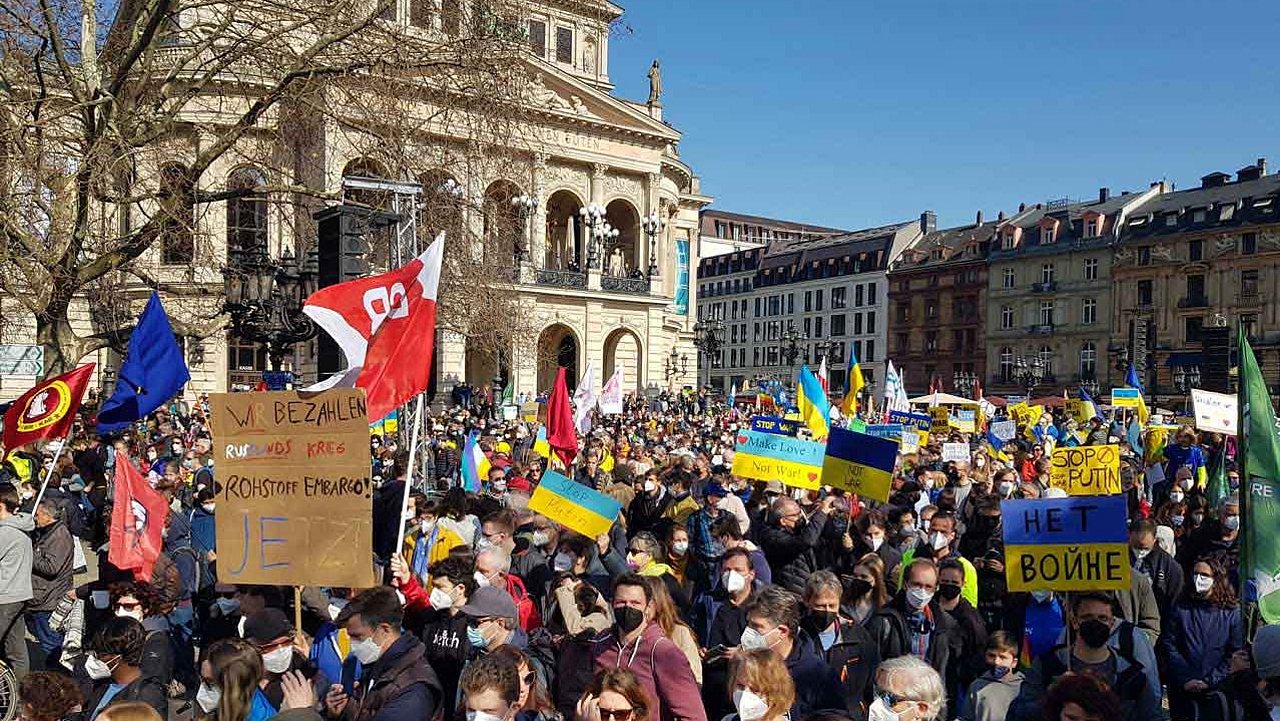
958	452
1215	412
573	505
919	421
940	416
860	463
910	441
767	457
1066	544
295	499
1004	430
776	426
1086	470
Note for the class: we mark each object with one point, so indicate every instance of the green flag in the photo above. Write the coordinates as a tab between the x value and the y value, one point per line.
1217	488
1259	487
508	393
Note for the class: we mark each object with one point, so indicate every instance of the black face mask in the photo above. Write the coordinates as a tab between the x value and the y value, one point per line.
816	622
858	587
627	618
1094	633
948	591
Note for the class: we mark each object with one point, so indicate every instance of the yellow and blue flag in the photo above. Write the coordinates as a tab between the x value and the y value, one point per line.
853	386
860	463
811	401
475	466
573	505
1131	380
540	444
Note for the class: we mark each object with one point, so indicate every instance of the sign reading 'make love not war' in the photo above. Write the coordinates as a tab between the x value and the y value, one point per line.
768	457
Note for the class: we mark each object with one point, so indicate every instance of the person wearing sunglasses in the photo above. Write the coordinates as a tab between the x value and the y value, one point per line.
613	695
907	689
534	703
113	667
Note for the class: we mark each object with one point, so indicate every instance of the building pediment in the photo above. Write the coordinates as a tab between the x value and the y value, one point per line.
567	99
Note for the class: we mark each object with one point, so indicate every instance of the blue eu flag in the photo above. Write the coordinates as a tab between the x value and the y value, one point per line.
153	371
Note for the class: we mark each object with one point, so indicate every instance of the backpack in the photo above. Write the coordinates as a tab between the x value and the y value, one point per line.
188	562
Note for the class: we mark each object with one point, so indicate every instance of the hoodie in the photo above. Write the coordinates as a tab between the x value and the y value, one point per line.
661	668
15	558
52	565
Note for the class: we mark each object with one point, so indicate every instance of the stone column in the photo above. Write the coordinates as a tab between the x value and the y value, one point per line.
538	243
598	173
472	216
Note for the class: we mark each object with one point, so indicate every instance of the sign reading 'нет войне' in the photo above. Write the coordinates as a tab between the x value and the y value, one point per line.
295	497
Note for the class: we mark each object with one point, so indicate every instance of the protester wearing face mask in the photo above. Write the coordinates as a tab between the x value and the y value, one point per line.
913	622
939	546
845	645
230	670
997	684
719	621
138	601
1219	536
871	534
773	622
660	668
271	632
490	689
762	690
113	666
1092	619
1186	453
427	541
790	540
1146	556
647	512
644	557
397	682
1201	632
434	614
907	689
492	621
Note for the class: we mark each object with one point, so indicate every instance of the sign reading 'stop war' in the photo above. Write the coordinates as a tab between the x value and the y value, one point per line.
295	497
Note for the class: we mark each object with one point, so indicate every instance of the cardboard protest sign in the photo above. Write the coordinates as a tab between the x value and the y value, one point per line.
859	463
573	505
295	499
958	452
919	421
1086	470
529	412
1215	412
1004	430
940	417
767	457
776	426
1066	544
910	441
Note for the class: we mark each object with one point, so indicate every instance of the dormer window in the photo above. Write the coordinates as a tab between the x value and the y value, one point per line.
1198	216
1046	236
1226	212
937	254
538	41
564	53
1007	242
1091	228
1171	220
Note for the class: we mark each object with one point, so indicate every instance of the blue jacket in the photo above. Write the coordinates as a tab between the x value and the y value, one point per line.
1198	641
818	688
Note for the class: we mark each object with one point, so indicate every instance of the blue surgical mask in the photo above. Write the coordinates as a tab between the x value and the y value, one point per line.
476	637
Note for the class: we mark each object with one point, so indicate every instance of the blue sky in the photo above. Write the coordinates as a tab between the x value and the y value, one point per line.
851	114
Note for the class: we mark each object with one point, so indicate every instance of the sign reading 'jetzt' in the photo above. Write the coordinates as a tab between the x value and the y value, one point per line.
295	497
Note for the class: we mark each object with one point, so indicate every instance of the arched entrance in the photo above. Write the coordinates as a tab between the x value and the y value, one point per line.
482	364
622	350
622	259
565	234
503	227
557	346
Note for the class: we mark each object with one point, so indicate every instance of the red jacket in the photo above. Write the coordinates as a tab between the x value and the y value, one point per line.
661	668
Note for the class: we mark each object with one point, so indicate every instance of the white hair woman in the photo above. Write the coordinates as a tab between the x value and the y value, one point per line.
907	689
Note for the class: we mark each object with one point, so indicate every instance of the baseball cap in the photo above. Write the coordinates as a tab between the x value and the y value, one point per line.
490	602
715	489
267	625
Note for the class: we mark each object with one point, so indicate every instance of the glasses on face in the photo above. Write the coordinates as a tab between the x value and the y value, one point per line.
529	678
636	551
889	698
615	714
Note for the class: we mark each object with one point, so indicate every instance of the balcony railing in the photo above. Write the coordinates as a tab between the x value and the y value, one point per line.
1048	287
1249	297
1041	329
635	286
1198	301
562	278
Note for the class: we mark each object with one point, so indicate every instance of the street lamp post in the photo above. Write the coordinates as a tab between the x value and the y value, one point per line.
789	349
594	216
964	382
652	225
708	338
264	299
497	394
525	206
1029	371
1091	386
677	365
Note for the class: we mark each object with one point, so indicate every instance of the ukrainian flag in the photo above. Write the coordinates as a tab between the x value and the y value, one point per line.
811	401
573	505
540	445
854	386
860	464
475	466
1131	380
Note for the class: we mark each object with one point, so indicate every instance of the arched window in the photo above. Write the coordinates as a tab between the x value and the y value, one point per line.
247	214
1046	357
1088	361
177	217
1006	364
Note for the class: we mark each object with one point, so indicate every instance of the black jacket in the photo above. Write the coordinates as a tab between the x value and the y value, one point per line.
144	689
971	659
1166	577
399	685
646	513
891	626
791	553
52	561
853	659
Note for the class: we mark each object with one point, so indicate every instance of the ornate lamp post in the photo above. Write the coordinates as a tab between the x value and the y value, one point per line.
264	299
1029	370
1092	386
525	206
652	225
1184	379
964	383
709	338
593	215
677	365
789	349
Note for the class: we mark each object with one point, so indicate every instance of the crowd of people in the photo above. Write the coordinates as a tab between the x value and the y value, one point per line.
711	597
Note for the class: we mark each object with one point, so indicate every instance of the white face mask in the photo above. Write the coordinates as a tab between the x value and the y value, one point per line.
135	614
335	607
938	540
1042	596
680	547
878	711
278	660
1006	488
440	600
208	507
875	542
1177	496
540	538
208	697
484	544
366	650
918	598
481	579
1203	583
482	716
733	581
753	639
96	668
1141	553
562	562
750	705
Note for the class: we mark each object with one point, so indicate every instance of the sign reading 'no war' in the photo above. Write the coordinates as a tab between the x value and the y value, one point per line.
1066	544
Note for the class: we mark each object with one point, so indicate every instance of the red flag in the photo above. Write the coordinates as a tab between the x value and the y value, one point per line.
47	410
386	327
561	435
137	520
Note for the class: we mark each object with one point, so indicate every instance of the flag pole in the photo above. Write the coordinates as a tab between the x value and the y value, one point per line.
408	481
48	475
